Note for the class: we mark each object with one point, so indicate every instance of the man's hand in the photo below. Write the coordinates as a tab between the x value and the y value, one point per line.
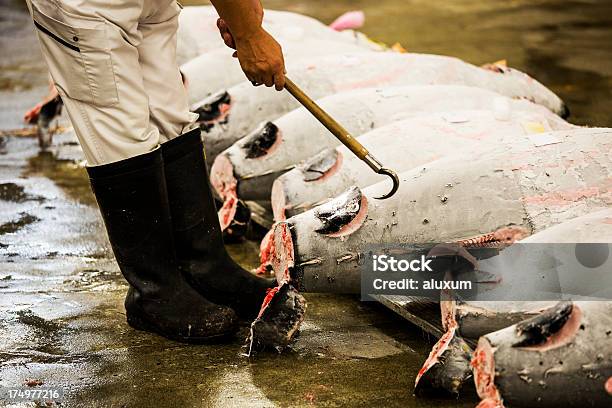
260	56
226	35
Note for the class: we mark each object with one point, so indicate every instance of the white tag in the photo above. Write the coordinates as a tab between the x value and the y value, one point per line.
455	118
543	139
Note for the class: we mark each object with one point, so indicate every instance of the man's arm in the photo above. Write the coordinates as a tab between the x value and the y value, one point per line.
260	56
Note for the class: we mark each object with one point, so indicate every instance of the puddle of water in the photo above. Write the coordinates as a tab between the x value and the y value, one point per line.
67	175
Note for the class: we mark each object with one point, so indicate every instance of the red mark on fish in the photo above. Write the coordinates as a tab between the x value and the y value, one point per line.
502	237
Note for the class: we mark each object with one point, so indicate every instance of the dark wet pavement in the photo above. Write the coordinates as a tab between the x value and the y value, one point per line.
62	320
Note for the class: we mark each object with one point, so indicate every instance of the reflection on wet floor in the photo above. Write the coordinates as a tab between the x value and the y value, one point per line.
62	319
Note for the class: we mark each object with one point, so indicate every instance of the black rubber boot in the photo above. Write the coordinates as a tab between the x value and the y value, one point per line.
199	242
134	203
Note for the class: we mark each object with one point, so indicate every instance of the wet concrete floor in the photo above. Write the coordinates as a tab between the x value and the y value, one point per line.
62	320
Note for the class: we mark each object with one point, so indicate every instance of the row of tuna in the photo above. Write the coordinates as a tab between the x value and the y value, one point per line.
485	159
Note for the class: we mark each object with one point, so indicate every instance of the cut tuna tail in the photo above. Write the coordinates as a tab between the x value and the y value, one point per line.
351	20
560	358
448	366
49	110
279	319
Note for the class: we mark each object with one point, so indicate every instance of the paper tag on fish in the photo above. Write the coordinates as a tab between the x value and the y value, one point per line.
544	139
535	127
455	118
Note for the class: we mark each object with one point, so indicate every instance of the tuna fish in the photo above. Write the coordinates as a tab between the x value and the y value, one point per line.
433	136
595	227
593	230
528	184
232	114
198	33
445	367
297	136
560	358
217	69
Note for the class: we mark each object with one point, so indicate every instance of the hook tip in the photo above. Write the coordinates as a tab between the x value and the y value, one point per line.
394	179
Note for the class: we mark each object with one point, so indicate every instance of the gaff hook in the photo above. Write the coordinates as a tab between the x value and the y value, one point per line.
342	135
378	168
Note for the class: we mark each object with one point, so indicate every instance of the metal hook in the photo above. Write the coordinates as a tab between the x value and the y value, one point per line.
394	179
343	136
378	168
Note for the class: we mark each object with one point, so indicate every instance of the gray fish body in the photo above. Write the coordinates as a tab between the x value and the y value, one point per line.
430	137
561	360
198	33
327	75
453	198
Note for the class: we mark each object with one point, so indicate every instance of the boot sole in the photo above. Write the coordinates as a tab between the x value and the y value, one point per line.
143	325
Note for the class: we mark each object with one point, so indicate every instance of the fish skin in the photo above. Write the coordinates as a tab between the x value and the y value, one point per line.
505	187
570	370
327	75
430	136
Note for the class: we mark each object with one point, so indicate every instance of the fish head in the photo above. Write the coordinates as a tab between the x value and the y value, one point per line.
213	110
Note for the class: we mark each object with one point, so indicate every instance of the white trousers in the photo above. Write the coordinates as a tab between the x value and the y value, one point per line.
114	65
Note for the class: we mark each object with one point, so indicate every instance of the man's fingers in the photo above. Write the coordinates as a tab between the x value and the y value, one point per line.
228	40
255	81
226	34
269	80
279	81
